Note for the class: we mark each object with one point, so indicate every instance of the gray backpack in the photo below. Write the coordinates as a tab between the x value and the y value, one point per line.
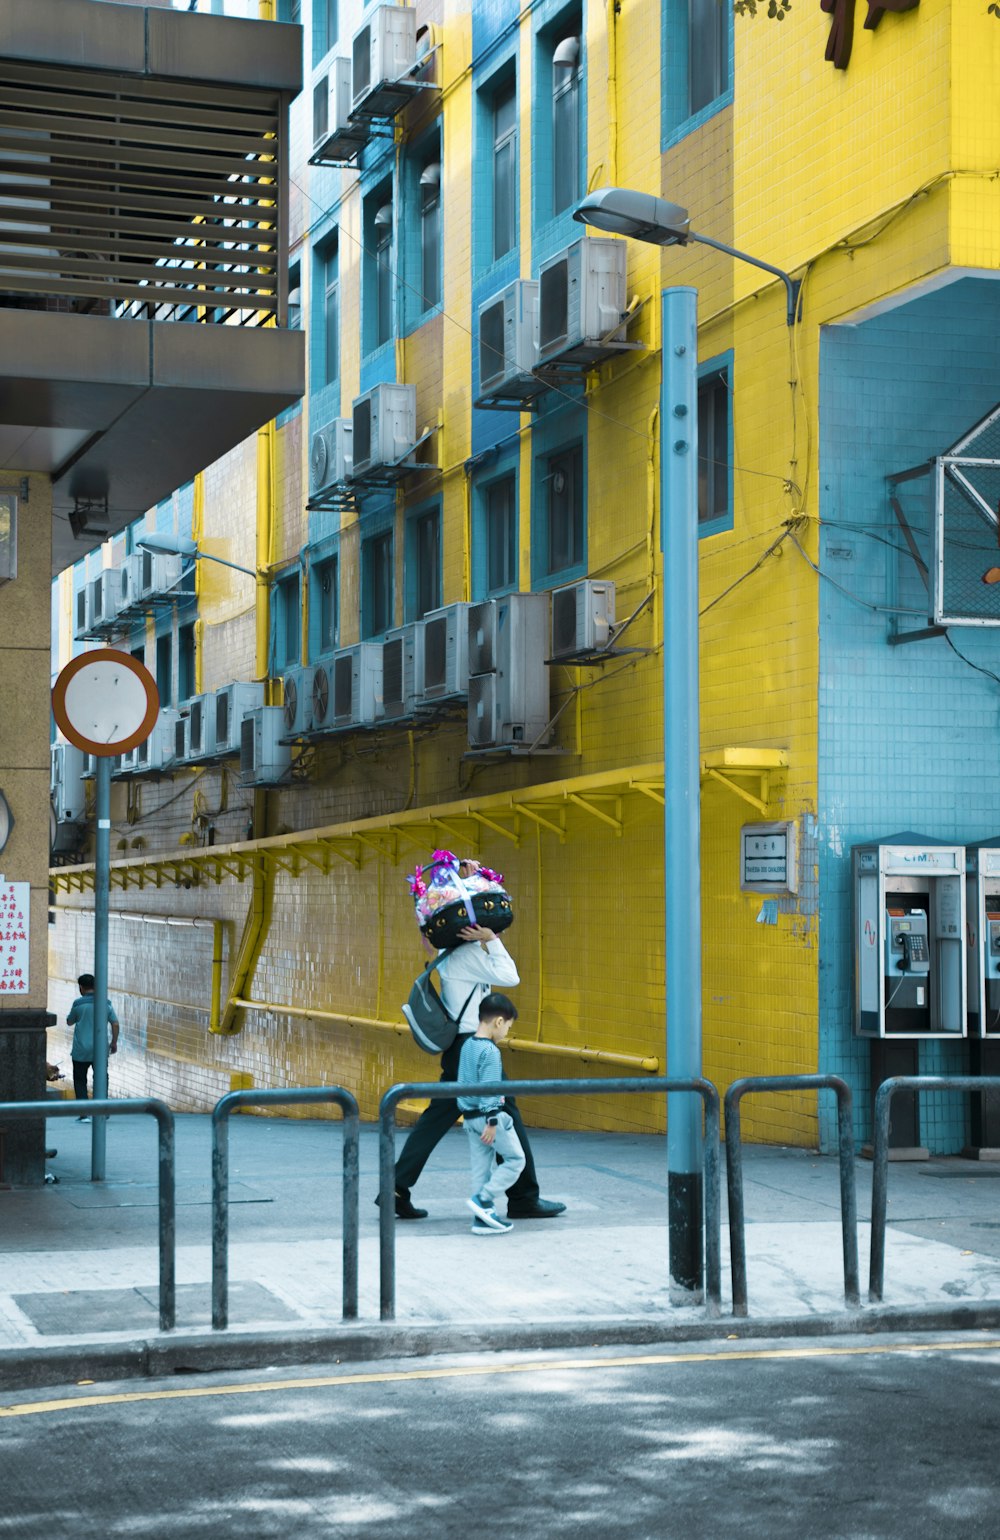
432	1024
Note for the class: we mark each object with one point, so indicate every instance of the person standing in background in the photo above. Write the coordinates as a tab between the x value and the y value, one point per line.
81	1017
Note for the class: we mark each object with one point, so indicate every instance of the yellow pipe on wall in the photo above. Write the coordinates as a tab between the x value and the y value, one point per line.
611	180
650	1066
255	929
265	522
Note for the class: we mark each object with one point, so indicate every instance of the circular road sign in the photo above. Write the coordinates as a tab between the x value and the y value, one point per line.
105	702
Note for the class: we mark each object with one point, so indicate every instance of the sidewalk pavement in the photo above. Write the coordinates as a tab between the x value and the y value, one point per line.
79	1260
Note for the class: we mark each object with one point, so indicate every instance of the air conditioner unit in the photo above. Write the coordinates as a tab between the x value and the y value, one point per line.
330	460
180	749
124	764
581	298
197	744
508	344
264	759
130	583
159	751
228	708
441	659
398	676
82	612
583	618
357	685
384	52
320	685
508	683
384	428
297	685
104	600
335	138
67	781
159	575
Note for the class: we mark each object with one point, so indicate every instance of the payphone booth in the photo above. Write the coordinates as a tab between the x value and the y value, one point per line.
982	931
909	959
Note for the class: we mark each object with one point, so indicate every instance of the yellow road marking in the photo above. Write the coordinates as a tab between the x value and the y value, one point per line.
464	1371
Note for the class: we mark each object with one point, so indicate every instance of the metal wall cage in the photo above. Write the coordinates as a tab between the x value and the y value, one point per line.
949	512
161	199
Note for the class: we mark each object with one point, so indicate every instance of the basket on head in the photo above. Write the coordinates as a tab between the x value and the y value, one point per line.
446	902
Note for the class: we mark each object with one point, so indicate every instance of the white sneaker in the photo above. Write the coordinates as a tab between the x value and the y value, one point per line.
500	1227
486	1214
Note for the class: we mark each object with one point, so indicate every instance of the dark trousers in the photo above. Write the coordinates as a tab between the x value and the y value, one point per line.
81	1068
440	1115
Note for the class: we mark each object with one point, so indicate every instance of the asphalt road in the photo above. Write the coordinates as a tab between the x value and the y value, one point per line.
893	1438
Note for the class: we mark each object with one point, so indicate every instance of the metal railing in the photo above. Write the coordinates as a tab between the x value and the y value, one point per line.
165	1128
880	1154
448	1090
734	1176
300	1096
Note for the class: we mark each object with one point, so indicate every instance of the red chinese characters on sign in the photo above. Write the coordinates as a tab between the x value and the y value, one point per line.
14	937
841	39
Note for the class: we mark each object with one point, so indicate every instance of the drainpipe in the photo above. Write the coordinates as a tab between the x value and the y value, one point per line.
612	30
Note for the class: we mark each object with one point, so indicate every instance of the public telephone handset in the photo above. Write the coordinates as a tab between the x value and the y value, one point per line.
993	931
906	941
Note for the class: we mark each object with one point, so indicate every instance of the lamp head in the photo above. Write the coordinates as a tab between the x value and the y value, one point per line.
623	211
167	545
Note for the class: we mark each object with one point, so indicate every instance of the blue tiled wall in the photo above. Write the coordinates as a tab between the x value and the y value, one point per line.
908	735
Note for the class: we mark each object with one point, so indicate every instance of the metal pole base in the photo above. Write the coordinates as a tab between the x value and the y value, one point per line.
684	1206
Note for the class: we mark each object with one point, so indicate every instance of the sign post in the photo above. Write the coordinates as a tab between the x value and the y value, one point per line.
105	702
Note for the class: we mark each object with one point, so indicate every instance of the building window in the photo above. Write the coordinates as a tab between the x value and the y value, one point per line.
165	669
185	662
326	25
504	169
424	564
708	52
294	298
289	629
713	449
564	523
376	584
430	235
500	507
326	604
331	313
566	123
383	274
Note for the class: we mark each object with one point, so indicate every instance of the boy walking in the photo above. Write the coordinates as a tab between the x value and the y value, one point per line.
81	1015
489	1128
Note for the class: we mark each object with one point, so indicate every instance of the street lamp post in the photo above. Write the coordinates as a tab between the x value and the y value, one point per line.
172	545
643	217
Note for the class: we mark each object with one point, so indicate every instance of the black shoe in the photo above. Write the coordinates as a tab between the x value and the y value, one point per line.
538	1208
404	1208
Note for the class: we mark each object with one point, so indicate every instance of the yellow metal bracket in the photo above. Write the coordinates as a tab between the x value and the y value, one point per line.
730	766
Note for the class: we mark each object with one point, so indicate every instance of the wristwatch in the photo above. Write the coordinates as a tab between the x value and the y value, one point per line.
492	1122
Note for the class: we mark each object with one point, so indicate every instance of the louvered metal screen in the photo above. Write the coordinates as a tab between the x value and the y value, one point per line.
139	196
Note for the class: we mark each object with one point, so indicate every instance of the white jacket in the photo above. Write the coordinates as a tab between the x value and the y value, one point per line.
481	970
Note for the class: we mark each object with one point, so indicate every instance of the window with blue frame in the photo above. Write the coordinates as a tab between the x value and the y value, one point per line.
185	661
697	71
498	528
326	26
294	297
563	521
423	563
503	109
328	281
377	559
378	269
165	669
564	62
430	232
715	479
288	634
324	605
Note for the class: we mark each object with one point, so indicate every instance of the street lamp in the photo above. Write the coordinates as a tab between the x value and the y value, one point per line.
172	545
623	211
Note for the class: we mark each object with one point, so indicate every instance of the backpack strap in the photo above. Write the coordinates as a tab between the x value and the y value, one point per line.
436	962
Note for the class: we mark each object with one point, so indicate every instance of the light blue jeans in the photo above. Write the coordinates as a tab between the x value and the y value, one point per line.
487	1177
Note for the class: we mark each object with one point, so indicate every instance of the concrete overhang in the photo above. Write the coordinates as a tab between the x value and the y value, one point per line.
128	410
142	266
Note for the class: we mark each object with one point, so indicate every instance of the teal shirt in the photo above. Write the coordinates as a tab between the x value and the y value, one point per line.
81	1014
